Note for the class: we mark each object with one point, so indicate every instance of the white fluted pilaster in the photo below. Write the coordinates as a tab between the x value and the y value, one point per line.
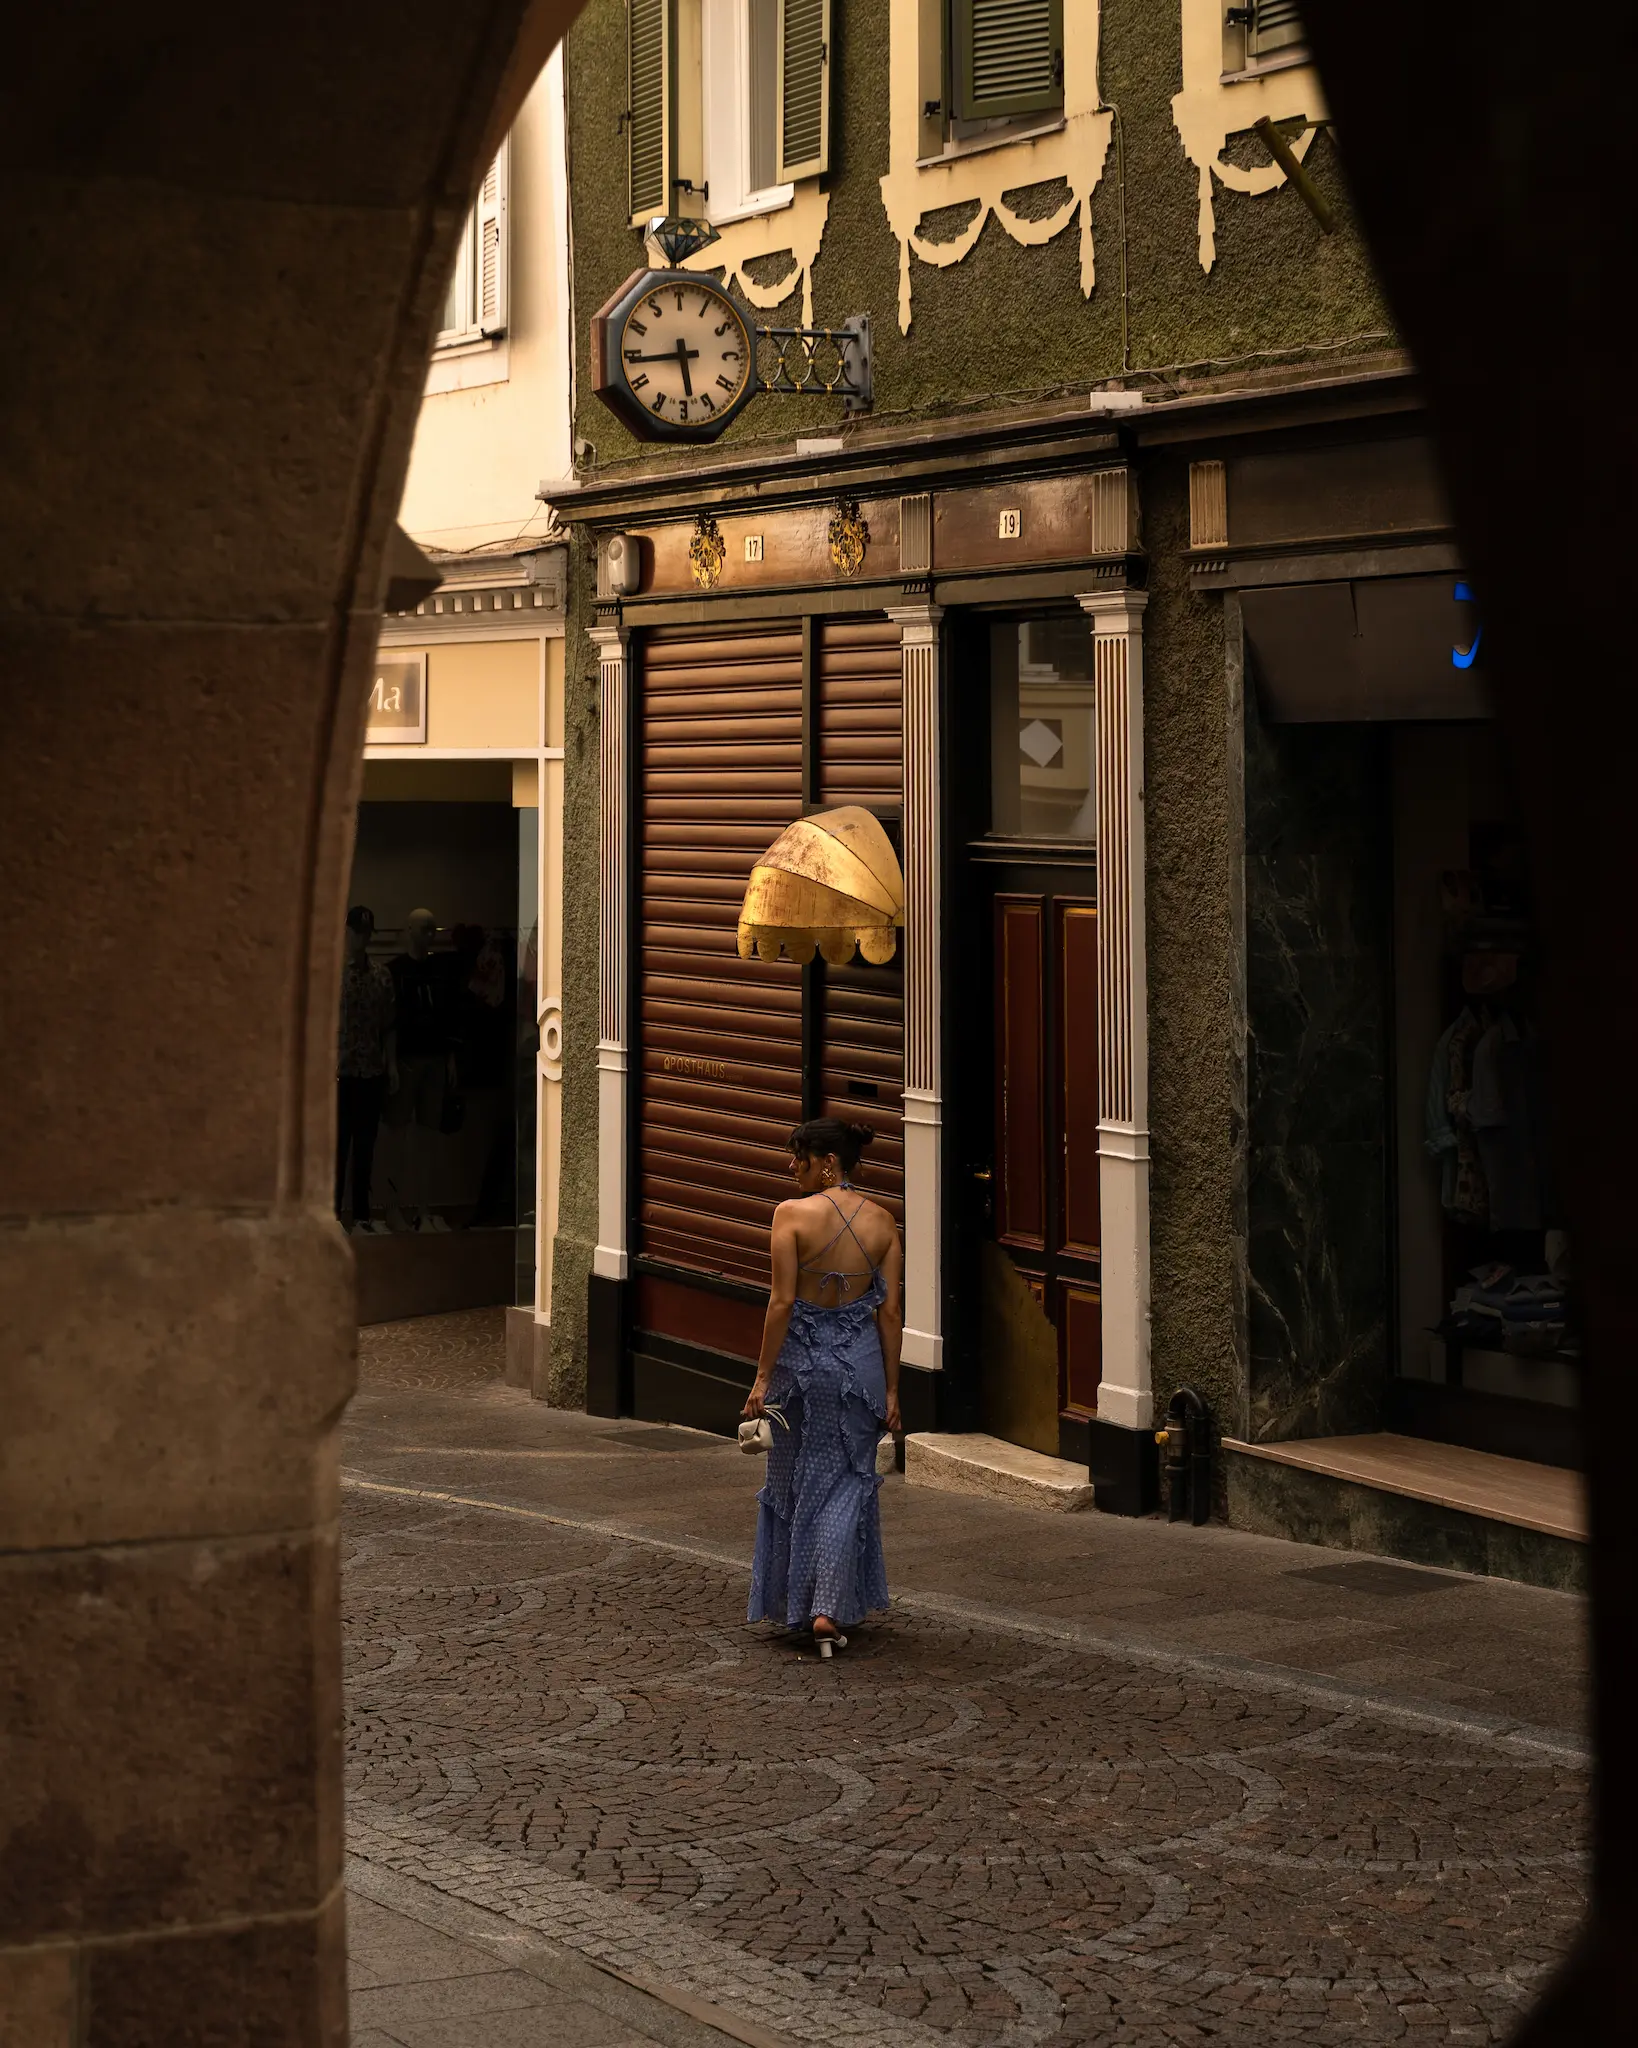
923	1066
1126	1395
614	938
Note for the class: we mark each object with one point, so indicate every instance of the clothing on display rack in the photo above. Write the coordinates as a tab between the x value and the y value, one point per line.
1448	1129
1498	1309
1506	1112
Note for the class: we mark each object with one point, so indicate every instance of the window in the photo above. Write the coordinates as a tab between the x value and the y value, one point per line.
1263	34
1042	730
475	303
1004	60
729	104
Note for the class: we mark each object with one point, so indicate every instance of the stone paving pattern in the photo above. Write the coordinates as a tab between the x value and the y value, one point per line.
951	1833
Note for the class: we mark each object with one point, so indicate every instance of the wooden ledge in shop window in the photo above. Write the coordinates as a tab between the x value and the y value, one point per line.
1541	1497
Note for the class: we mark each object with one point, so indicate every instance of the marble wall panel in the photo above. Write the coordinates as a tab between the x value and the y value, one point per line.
1318	907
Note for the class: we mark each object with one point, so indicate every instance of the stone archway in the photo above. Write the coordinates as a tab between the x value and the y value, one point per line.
223	238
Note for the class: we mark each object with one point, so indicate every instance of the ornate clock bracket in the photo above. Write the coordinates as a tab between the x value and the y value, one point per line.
820	362
797	362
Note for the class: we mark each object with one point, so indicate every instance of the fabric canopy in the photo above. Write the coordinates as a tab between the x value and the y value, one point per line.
831	882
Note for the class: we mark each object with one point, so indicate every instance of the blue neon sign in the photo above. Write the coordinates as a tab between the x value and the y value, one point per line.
1464	657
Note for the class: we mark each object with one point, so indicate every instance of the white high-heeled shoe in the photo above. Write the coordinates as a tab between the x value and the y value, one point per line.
828	1644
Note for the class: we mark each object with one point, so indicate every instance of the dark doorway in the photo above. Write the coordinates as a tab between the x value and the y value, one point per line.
1025	1151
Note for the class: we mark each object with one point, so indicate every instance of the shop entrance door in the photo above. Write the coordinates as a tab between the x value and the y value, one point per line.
1025	1149
1038	1191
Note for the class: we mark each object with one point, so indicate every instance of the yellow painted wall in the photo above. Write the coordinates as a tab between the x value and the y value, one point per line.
485	693
481	452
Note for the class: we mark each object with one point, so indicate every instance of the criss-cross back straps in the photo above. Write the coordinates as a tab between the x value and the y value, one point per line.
843	1280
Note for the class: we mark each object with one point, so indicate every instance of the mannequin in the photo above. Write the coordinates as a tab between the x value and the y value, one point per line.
425	1024
366	1064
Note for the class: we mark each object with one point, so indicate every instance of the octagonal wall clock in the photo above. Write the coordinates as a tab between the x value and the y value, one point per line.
673	356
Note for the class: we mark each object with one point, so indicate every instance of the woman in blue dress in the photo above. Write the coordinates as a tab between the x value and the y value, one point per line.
828	1376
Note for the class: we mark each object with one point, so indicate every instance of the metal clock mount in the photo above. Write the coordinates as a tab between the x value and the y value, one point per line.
677	357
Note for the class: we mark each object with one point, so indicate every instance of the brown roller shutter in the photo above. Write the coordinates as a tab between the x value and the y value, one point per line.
720	1038
861	713
859	697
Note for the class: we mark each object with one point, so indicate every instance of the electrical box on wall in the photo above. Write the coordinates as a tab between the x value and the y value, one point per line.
621	567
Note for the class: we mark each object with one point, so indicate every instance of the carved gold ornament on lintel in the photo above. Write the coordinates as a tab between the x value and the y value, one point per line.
830	883
849	537
707	551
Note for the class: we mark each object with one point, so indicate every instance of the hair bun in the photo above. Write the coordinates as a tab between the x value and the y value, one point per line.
863	1133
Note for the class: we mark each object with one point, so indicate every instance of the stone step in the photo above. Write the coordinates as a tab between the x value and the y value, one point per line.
974	1463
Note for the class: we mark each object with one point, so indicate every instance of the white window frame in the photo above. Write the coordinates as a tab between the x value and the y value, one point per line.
472	334
726	92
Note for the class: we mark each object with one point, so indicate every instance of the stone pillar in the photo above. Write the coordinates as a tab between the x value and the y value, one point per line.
1125	1397
614	939
923	1065
190	596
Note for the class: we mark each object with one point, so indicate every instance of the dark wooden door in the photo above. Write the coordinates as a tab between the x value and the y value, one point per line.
1037	1192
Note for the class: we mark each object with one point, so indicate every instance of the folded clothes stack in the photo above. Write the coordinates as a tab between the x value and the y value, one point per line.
1500	1310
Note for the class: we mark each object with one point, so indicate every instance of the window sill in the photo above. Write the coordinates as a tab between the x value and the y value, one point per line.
975	145
462	365
1287	60
759	203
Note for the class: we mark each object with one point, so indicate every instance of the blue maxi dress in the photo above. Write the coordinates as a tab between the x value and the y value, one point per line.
818	1532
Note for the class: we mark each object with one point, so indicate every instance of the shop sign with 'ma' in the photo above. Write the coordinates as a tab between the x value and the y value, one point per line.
398	702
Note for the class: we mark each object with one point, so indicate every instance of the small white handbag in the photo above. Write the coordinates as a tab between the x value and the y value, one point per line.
756	1440
756	1435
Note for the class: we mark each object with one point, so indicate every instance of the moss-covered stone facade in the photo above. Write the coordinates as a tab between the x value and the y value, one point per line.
1009	327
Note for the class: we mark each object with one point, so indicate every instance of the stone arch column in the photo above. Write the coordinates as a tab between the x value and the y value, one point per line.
224	237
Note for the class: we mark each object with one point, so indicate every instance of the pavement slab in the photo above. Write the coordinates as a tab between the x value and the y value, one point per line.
1087	1781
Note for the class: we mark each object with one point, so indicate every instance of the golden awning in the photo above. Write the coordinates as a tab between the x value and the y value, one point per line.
831	881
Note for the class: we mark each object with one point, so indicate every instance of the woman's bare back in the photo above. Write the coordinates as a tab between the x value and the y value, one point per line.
843	1234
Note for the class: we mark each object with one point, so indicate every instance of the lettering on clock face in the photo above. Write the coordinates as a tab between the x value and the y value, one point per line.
686	353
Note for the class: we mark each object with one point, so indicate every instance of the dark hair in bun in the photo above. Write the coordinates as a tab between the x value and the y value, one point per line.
823	1135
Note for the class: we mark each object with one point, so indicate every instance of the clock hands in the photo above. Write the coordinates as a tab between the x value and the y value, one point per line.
682	355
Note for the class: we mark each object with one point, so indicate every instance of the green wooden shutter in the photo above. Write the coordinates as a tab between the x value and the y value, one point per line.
804	89
651	125
1007	57
1275	25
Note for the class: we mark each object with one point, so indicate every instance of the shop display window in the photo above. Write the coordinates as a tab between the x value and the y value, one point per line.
1485	1269
1043	730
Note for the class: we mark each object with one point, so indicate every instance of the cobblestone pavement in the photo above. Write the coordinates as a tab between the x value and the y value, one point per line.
434	1354
959	1831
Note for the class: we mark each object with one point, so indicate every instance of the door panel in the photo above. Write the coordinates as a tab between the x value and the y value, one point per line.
1020	1166
1041	1323
1078	1077
1080	1346
1020	1403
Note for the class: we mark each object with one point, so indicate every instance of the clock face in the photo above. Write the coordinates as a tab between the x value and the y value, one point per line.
685	353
